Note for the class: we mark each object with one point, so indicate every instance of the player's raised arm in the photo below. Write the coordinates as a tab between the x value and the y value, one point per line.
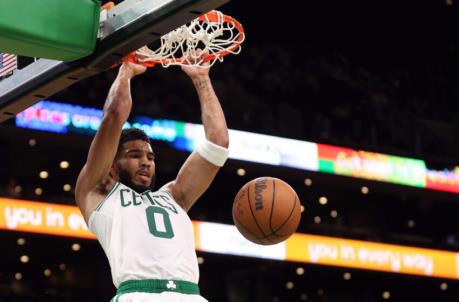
199	170
105	143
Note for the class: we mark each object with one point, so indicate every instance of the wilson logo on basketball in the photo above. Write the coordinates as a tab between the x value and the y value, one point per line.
260	185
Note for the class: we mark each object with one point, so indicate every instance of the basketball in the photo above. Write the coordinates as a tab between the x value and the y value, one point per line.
266	210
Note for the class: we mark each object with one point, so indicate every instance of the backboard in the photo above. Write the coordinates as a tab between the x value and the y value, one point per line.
123	29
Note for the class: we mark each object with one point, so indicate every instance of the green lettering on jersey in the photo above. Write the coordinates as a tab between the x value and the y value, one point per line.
136	196
150	199
166	199
130	199
124	202
168	232
154	200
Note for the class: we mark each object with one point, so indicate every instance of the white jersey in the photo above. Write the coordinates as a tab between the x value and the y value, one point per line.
145	236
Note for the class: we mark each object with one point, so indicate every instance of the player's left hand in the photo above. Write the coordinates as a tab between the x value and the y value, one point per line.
193	71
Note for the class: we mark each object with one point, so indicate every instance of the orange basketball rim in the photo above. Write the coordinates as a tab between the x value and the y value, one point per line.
215	33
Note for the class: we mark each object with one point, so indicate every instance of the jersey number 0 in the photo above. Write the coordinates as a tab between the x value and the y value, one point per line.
154	214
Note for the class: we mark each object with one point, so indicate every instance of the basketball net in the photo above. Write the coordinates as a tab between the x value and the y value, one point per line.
216	34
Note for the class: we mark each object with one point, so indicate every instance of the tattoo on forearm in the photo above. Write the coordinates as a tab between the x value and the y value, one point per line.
201	84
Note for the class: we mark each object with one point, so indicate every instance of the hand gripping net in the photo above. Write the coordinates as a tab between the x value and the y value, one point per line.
215	33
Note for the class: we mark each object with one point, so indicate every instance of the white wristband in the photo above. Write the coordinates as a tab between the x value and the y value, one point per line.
214	153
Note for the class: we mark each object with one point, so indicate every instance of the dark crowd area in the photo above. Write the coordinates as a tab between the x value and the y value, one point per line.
300	92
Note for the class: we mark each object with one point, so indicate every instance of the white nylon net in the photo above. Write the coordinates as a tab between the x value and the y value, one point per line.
214	36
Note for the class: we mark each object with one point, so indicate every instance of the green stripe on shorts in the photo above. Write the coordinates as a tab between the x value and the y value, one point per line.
158	286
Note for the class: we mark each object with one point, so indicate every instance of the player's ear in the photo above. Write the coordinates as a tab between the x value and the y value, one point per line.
113	171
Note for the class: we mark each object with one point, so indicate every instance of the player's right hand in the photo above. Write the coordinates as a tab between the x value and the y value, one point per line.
132	69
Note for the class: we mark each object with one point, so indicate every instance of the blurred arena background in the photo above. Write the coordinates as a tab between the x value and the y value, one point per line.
378	76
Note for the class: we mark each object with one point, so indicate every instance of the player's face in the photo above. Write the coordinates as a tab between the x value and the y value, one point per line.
136	166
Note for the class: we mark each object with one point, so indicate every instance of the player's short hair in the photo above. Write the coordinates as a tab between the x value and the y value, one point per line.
131	134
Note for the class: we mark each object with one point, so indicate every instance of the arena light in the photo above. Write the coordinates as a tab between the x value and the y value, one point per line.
272	150
38	191
47	272
323	200
67	187
373	166
43	218
76	247
241	172
17	189
372	256
18	276
364	190
386	295
60	220
443	180
252	147
225	239
290	285
65	118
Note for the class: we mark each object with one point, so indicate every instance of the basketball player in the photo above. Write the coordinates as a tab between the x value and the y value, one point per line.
147	235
